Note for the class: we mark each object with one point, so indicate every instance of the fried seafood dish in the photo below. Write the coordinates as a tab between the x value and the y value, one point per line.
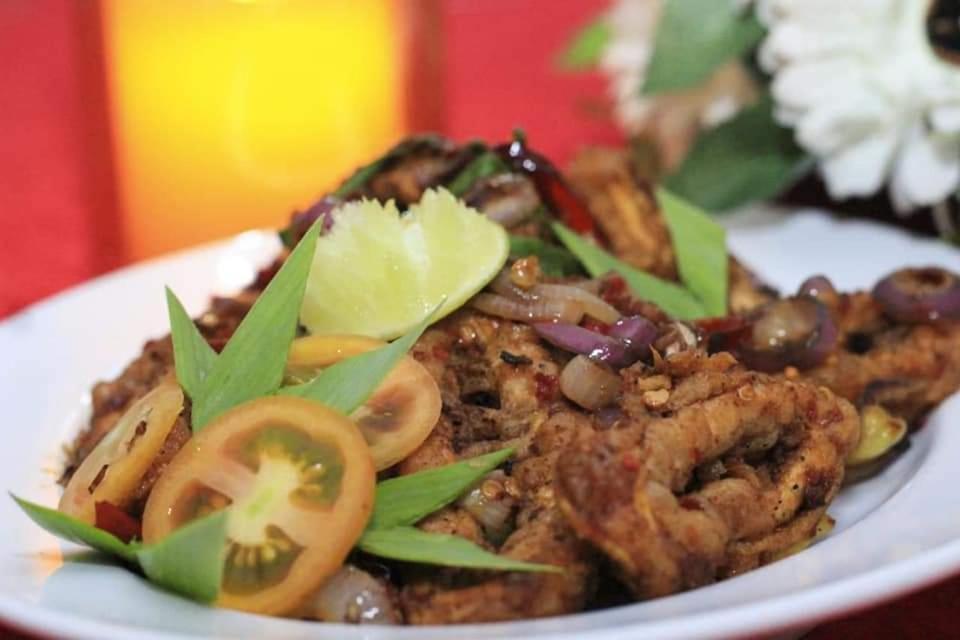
587	402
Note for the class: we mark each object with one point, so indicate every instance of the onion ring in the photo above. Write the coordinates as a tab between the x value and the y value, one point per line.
919	295
795	331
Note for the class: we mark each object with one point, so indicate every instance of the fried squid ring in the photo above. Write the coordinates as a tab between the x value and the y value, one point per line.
684	495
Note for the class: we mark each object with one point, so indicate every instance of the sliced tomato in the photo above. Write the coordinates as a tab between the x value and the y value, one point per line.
112	471
399	415
311	354
299	482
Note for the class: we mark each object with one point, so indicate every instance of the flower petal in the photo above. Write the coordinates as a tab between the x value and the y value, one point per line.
946	119
927	171
808	83
845	120
860	169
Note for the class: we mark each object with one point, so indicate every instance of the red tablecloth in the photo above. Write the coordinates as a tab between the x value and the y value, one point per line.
56	196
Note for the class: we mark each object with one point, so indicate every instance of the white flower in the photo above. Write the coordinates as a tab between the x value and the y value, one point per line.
866	94
625	59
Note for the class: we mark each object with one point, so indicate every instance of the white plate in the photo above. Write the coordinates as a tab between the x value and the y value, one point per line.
895	533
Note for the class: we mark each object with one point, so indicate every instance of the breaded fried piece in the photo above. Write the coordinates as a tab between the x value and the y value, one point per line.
907	369
739	457
541	535
499	388
629	218
468	597
625	212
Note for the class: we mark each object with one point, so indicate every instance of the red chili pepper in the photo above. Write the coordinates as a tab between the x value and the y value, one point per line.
572	210
725	333
115	520
546	386
629	461
723	324
614	288
551	187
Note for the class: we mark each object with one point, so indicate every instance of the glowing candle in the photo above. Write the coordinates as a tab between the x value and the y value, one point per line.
228	115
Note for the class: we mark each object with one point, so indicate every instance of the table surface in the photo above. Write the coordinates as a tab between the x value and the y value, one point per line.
55	199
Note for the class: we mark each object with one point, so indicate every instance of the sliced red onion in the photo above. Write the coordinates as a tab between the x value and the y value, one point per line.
592	305
819	287
589	384
527	311
636	331
628	341
596	346
919	295
793	331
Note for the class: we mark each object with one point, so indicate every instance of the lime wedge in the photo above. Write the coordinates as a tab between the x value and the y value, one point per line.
377	273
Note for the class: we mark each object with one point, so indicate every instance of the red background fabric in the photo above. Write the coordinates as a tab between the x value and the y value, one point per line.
56	196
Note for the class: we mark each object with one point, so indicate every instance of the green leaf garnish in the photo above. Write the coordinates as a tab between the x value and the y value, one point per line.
485	165
346	385
554	261
680	61
413	545
701	248
406	499
587	46
672	298
252	363
190	560
193	357
74	530
748	158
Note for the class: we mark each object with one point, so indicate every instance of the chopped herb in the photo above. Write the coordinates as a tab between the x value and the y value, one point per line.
346	385
701	248
672	298
193	357
483	166
515	360
252	363
406	499
190	560
413	545
74	530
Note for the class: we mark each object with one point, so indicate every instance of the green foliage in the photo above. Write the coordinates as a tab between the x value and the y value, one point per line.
587	46
694	38
748	158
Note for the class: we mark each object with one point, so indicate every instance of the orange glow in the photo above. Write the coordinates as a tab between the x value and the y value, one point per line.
229	114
